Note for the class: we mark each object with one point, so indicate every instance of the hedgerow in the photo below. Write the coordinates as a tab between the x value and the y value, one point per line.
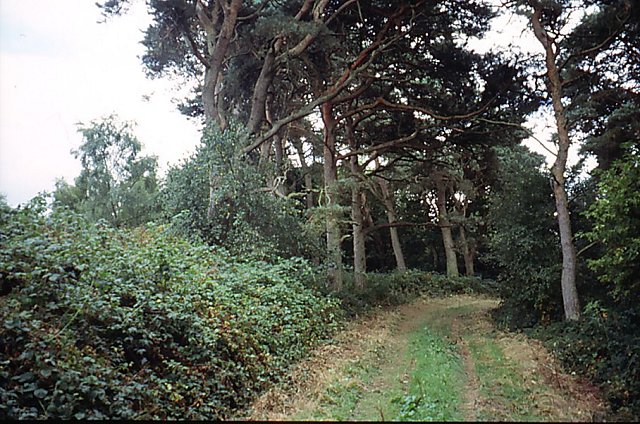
100	322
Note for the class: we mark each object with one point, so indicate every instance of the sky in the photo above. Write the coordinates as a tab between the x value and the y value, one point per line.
60	67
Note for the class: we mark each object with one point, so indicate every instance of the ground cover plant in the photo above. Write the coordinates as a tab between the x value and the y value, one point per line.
604	346
99	322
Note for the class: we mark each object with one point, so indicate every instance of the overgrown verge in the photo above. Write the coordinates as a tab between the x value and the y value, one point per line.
604	344
605	347
141	324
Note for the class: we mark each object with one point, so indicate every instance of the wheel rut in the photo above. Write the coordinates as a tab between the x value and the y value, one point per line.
368	367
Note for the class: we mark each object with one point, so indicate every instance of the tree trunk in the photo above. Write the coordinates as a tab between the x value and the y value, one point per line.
308	179
209	96
445	227
260	91
217	46
271	62
213	181
334	252
387	200
568	279
467	252
359	252
281	174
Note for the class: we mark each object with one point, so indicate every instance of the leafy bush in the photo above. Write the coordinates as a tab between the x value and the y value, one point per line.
605	343
523	241
141	324
604	346
245	219
616	227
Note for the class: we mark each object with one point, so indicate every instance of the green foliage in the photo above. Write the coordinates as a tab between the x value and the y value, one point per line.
247	219
115	183
99	322
185	196
604	346
616	226
386	289
522	241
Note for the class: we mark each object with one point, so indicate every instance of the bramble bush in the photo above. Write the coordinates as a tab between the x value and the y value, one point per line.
142	324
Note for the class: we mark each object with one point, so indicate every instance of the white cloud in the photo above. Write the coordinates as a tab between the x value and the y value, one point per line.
58	67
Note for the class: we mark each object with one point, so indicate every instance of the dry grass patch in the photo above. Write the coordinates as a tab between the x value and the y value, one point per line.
305	388
556	395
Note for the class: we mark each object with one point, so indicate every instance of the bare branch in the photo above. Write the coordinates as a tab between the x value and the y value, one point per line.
194	46
520	127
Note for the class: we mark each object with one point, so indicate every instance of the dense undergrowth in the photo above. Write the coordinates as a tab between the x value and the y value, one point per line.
141	324
604	346
101	322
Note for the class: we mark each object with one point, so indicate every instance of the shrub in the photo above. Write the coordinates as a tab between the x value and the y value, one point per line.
523	243
142	324
604	346
245	219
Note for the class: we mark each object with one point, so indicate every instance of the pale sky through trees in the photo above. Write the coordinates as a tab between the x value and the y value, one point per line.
58	67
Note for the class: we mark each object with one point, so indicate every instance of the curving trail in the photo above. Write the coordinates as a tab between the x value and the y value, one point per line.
435	359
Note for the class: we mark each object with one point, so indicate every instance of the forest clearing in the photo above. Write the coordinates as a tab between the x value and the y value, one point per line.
376	371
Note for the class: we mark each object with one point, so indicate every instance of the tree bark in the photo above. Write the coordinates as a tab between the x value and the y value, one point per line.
387	201
308	179
568	279
274	57
260	91
359	252
334	251
467	253
445	228
281	174
217	46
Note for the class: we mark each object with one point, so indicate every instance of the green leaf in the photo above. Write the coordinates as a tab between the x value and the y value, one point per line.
40	393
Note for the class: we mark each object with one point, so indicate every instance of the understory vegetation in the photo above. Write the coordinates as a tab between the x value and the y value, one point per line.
142	324
604	344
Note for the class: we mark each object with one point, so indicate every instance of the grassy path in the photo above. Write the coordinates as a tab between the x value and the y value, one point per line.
431	360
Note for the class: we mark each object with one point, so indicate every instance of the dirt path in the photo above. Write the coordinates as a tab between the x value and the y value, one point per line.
382	367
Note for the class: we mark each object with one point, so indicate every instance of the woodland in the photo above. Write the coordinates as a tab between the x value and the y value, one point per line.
355	155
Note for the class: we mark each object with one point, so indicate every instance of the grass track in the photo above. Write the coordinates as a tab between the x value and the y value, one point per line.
431	360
